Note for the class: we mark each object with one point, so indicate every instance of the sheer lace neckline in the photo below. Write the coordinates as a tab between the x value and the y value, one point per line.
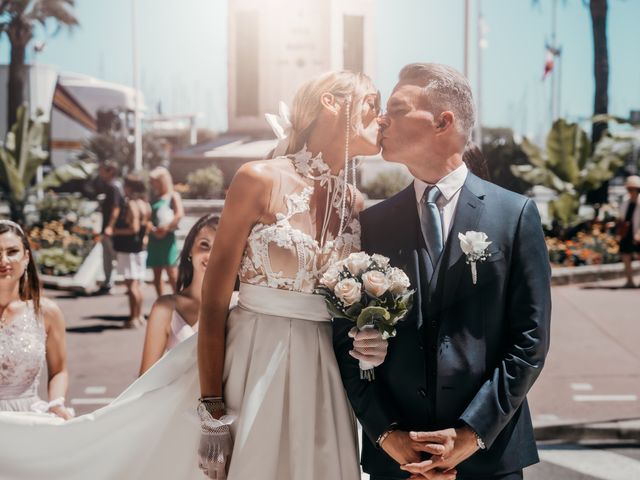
314	168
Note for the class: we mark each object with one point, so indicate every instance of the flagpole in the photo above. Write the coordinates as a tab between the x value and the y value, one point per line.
479	47
552	106
467	9
137	163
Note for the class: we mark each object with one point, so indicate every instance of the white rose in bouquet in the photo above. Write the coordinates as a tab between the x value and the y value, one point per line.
330	277
357	263
398	281
375	283
381	260
349	291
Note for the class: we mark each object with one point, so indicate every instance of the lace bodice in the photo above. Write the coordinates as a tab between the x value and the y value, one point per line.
295	250
22	354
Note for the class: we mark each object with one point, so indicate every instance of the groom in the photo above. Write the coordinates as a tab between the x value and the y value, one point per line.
450	396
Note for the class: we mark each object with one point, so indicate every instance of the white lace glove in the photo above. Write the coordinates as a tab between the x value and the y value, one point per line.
216	445
368	346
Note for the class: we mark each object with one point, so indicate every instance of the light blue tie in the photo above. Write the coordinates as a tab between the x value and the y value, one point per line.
432	224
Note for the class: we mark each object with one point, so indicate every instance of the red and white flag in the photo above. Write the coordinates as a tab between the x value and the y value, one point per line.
549	60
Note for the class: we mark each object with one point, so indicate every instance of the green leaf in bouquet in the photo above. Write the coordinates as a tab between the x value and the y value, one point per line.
372	316
387	331
354	310
405	302
334	311
397	316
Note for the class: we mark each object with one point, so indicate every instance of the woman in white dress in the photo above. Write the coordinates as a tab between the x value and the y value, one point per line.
285	220
31	333
271	362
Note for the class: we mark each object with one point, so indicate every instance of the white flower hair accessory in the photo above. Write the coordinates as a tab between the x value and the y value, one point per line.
474	245
281	126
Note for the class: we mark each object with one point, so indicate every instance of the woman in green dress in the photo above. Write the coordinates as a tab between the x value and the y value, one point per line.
166	213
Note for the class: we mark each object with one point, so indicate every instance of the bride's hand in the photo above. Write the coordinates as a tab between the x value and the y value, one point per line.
216	445
368	346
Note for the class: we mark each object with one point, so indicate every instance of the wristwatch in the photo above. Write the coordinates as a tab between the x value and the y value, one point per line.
479	441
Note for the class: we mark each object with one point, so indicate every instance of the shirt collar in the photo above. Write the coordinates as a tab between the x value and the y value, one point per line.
448	185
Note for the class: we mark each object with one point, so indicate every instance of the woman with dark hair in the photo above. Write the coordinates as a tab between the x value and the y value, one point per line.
130	236
174	318
32	330
476	161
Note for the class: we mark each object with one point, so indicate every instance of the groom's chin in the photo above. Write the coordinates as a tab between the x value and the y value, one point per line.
388	156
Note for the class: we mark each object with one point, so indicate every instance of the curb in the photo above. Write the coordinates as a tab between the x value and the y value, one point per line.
628	429
589	273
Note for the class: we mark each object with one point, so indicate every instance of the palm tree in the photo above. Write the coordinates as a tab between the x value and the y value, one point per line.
18	18
598	10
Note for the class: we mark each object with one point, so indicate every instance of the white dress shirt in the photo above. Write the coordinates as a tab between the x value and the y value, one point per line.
449	187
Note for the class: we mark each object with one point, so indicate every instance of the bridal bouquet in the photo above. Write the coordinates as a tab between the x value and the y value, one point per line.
368	291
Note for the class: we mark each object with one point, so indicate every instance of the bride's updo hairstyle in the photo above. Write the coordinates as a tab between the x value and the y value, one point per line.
307	103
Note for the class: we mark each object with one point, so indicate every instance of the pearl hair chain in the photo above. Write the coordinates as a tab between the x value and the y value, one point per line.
345	173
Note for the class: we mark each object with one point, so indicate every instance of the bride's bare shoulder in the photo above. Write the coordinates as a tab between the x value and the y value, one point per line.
263	171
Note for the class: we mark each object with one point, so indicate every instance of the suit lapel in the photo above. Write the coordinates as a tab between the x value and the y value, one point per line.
407	247
467	217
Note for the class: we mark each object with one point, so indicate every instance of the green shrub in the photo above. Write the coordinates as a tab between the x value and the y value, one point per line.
386	184
206	183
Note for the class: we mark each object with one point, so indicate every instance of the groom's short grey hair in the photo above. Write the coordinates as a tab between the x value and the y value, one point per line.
445	89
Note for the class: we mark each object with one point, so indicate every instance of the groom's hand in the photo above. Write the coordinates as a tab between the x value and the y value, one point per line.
400	446
459	444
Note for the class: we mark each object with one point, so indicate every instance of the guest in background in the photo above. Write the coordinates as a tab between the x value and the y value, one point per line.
476	161
167	211
174	318
110	186
130	241
32	331
629	227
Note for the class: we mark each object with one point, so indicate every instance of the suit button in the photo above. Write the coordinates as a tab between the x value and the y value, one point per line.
422	392
433	348
434	324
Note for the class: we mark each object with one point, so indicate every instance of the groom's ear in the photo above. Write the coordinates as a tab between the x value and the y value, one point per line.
445	120
328	101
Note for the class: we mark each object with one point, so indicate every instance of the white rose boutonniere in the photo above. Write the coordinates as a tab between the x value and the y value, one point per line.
474	245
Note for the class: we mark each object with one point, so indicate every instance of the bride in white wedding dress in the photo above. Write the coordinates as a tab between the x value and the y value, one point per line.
270	360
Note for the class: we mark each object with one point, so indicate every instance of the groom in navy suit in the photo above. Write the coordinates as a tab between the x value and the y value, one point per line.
450	397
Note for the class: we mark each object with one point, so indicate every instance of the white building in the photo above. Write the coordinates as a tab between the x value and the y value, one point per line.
70	102
275	45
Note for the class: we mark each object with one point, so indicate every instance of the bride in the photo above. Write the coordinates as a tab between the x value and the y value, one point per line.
285	221
269	362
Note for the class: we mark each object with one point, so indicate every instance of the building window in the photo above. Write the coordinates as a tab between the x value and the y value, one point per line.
354	43
247	80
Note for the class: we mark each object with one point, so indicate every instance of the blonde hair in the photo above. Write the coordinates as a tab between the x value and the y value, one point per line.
444	89
162	174
307	106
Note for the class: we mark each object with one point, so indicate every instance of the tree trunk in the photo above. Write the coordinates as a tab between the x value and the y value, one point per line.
19	34
16	211
601	74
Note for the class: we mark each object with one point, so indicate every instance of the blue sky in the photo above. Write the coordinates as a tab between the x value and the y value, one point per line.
183	53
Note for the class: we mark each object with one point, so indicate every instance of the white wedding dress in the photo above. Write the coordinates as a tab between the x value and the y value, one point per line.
281	377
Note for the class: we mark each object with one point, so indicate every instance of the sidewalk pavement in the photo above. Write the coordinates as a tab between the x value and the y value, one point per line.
590	385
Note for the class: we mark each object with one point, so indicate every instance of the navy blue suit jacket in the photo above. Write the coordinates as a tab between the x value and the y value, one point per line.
466	353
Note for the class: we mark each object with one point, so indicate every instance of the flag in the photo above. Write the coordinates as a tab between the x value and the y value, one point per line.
549	60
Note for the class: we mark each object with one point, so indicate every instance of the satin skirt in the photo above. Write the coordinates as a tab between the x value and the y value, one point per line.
281	380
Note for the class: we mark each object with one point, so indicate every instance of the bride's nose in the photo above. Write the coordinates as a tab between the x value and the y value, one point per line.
383	120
